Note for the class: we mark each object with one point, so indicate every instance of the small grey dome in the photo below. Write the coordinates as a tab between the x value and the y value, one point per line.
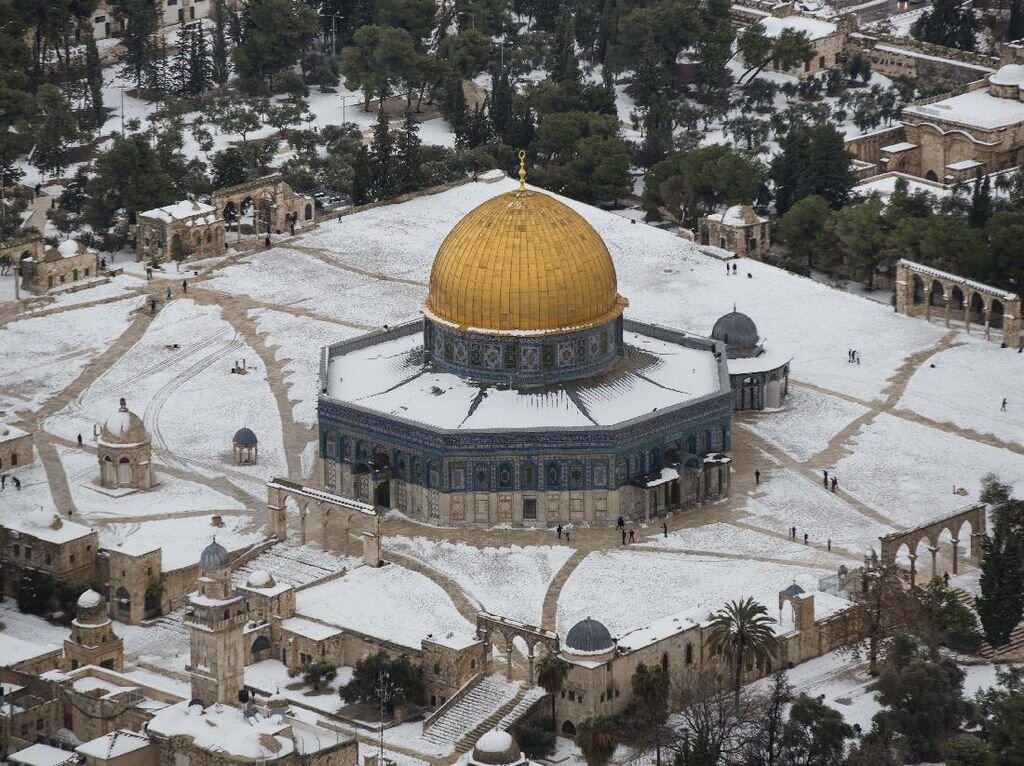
738	332
214	556
590	637
244	437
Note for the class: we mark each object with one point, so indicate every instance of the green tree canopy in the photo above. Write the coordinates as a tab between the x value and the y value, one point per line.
274	34
129	177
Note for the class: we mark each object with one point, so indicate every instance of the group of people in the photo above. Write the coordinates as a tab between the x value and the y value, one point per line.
14	480
807	537
853	356
834	485
732	271
628	535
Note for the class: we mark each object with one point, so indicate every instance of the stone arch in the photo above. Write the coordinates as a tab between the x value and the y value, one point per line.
108	472
976	308
177	251
936	294
309	211
569	728
230	212
260	649
123	600
957	302
124	471
917	285
688	655
996	311
931	176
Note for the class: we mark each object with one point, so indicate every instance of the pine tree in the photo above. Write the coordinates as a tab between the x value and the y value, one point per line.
200	67
220	70
362	171
94	83
981	201
384	183
453	104
1001	603
181	74
407	155
1015	31
141	24
501	103
564	64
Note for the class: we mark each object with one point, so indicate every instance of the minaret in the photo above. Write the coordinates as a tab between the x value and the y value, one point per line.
92	640
215	619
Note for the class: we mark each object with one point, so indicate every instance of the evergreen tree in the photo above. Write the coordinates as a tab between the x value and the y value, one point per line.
812	160
715	47
129	177
453	104
501	103
981	201
948	23
384	183
56	130
407	155
200	65
181	74
141	26
220	69
563	64
94	85
1015	30
1001	603
274	34
815	734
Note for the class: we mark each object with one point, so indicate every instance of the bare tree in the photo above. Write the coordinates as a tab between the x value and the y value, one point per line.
713	724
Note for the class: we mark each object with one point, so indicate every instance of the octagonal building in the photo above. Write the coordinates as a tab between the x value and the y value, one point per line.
523	395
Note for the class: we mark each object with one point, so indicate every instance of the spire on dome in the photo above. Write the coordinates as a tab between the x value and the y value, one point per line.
522	170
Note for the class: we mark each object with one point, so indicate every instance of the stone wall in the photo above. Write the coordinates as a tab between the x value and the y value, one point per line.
868	147
15	451
929	66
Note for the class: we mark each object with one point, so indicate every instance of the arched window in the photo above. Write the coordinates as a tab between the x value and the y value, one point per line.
689	654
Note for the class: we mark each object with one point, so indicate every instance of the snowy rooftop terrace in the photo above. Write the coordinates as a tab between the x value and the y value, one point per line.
975	109
815	29
660	369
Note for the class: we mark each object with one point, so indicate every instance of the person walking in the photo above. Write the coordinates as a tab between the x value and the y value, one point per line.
792	533
184	286
558	529
825	473
79	440
17	482
1003	408
149	273
266	242
152	306
632	537
945	578
805	538
757	478
835	483
734	269
856	356
621	522
3	485
623	536
567	534
664	529
169	292
829	545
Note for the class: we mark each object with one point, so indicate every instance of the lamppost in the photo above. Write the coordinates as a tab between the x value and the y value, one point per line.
122	87
343	100
334	33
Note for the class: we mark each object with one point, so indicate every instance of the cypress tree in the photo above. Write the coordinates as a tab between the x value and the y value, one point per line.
362	177
407	155
981	201
501	104
94	83
181	77
141	25
384	184
220	71
200	68
1001	603
564	66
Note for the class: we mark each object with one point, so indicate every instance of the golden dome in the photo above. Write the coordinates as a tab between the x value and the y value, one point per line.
523	261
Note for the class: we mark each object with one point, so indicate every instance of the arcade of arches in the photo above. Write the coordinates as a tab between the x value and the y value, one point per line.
948	529
263	206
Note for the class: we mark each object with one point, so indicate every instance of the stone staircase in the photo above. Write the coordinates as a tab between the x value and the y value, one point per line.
1012	651
476	711
527	701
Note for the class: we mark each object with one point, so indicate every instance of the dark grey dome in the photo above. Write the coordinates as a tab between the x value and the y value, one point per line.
244	437
735	329
214	556
589	636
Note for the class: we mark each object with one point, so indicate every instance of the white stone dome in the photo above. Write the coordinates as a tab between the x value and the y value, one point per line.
90	599
68	248
260	579
497	748
495	741
123	427
1009	74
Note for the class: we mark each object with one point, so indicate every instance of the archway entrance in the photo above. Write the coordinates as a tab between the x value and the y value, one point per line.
569	729
260	649
124	472
382	495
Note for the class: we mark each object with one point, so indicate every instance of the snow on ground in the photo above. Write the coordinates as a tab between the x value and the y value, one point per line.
115	288
40	356
625	589
485	574
272	675
181	539
170	495
438	132
967	386
718	537
390	602
187	397
34	492
665	278
786	499
295	565
907	471
299	340
163	644
28	627
290	278
806	422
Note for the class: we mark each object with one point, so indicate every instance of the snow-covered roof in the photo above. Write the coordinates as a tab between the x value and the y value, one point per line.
738	215
963	165
14	651
48	526
975	109
226	729
656	631
315	631
814	28
114	744
10	433
1009	74
902	146
388	378
180	211
771	359
44	755
939	274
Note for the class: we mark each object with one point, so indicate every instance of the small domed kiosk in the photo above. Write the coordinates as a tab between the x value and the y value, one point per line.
124	451
497	748
759	378
92	640
245	446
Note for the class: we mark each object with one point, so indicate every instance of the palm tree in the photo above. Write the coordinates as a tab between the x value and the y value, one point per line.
597	737
740	630
551	674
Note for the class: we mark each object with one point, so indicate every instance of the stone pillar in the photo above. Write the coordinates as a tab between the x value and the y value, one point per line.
988	330
509	648
934	551
302	522
904	290
530	657
945	299
913	569
371	549
1011	323
956	555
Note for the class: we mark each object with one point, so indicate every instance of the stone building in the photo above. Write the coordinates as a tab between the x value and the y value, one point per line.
136	583
186	229
16	448
267	204
759	378
828	38
739	230
124	452
525	395
31	709
92	640
245	446
60	267
42	542
215	619
121	747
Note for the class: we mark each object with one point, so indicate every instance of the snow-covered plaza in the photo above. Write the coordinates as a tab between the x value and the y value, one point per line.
919	416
